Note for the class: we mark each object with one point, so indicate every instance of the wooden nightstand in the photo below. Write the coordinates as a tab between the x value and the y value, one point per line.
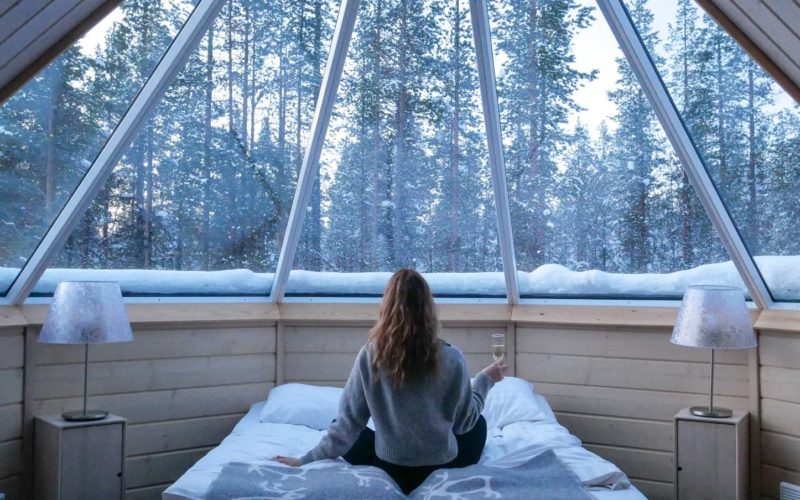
711	456
79	460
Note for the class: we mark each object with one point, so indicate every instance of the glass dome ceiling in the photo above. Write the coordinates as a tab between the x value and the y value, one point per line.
529	151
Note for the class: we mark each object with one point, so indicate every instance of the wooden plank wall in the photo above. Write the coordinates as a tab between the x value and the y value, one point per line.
324	355
184	386
618	388
182	391
780	410
773	26
33	32
11	390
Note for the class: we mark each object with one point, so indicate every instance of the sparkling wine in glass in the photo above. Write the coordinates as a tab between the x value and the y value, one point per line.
498	346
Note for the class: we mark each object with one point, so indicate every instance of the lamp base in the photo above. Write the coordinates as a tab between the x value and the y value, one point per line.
705	411
84	416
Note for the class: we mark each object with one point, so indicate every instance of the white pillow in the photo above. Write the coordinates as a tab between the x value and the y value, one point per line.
302	404
511	400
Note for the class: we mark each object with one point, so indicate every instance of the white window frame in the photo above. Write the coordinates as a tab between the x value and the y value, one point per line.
197	24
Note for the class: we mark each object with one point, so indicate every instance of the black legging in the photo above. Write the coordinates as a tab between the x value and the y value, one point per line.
470	447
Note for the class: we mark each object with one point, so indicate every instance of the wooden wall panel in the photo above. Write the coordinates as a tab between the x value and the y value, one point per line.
768	30
610	342
638	463
43	21
35	39
780	383
12	359
670	376
10	421
324	355
780	349
115	377
11	388
184	386
771	478
147	492
624	402
10	458
12	347
321	355
623	432
618	388
163	343
780	410
779	25
155	406
12	487
34	32
653	489
160	468
182	391
20	14
163	436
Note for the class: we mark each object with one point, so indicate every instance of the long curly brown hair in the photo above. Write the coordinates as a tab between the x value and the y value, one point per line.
404	340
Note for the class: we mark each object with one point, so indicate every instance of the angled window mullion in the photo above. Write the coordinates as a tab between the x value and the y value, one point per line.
164	73
491	117
319	127
635	52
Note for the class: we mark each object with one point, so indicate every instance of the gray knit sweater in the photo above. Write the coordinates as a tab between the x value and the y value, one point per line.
415	425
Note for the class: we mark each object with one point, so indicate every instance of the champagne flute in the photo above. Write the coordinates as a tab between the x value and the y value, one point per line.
498	346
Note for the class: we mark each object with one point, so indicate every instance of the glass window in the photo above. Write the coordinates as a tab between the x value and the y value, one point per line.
198	203
404	174
53	127
600	206
746	128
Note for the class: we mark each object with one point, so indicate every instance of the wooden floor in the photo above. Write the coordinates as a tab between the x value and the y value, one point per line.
614	380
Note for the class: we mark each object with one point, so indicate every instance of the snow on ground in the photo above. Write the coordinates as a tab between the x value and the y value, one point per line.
782	274
448	284
553	279
158	282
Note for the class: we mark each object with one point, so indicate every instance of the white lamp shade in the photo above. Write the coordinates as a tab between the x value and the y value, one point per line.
86	312
714	317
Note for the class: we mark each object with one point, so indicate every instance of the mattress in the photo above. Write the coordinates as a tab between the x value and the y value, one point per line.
254	442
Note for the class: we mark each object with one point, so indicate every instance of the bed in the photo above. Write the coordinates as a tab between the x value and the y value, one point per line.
522	430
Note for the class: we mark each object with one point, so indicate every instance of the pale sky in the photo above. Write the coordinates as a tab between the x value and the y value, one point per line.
595	48
97	35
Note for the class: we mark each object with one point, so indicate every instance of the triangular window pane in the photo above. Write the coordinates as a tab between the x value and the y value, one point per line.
207	183
404	172
744	125
599	204
52	128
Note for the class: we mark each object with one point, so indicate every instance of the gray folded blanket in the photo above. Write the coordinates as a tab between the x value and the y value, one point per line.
542	477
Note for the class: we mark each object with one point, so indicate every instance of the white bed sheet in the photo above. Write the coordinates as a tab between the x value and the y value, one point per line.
254	442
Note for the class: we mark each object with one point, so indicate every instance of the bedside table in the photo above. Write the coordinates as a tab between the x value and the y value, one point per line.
711	456
79	460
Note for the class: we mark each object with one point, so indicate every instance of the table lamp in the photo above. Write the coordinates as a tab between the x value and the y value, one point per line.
713	317
86	312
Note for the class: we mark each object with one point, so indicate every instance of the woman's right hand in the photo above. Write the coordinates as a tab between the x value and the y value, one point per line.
290	461
496	371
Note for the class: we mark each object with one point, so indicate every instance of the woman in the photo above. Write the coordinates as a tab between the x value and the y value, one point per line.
417	389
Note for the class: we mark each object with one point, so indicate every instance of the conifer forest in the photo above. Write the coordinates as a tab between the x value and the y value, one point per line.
208	181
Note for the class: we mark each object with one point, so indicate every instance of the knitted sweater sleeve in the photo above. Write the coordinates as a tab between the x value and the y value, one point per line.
351	419
471	399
